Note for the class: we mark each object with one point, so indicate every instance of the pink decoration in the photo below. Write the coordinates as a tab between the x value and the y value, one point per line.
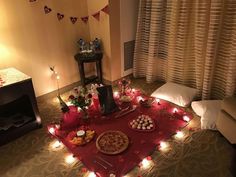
73	20
105	9
47	9
84	170
71	119
96	15
96	103
60	16
85	19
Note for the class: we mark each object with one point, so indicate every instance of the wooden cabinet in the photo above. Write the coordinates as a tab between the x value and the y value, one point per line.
18	107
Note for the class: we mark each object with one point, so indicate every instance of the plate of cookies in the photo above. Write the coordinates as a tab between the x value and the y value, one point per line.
143	123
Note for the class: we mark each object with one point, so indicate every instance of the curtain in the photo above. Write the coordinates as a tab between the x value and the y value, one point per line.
190	42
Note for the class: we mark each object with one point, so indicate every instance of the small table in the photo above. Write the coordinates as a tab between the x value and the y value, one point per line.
82	58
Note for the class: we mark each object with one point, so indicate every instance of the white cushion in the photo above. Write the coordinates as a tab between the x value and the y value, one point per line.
208	110
175	93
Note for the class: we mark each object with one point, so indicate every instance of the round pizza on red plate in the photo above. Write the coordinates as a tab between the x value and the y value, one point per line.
112	142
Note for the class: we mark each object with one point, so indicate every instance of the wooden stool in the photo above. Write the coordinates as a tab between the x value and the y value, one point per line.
82	58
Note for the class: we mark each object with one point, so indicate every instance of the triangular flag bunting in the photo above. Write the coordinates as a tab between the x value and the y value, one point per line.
73	19
96	15
85	19
105	9
60	16
47	9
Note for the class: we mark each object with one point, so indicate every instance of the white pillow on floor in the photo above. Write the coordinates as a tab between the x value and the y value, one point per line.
176	93
208	110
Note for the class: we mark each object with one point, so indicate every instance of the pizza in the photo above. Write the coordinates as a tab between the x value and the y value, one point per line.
112	142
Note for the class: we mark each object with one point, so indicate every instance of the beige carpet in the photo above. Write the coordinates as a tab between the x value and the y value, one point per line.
200	154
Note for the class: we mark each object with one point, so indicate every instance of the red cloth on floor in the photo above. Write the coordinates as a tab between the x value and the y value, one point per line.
141	145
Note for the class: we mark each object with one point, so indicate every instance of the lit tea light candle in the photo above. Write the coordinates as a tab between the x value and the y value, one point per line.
57	144
145	163
133	90
139	98
52	130
126	176
179	135
163	145
68	103
158	101
186	118
58	77
91	174
112	175
175	110
116	94
69	159
38	120
58	126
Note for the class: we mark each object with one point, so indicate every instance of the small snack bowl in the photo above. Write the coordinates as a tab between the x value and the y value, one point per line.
80	133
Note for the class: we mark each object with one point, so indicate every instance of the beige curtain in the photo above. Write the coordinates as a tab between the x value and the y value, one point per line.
190	42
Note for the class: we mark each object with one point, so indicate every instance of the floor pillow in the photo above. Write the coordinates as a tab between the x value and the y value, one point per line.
208	110
175	93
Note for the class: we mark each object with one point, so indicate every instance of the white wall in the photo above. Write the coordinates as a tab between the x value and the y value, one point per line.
31	41
128	25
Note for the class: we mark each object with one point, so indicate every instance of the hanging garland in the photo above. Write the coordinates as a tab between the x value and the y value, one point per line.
74	19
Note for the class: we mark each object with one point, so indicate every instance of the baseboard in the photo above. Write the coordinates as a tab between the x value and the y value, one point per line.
65	89
127	72
107	82
129	76
55	92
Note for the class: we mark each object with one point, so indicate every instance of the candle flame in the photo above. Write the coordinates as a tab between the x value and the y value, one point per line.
69	159
179	135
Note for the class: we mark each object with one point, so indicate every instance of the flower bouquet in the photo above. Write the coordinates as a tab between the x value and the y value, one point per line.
82	99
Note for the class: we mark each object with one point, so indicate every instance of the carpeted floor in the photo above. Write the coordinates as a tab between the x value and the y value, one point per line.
202	153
